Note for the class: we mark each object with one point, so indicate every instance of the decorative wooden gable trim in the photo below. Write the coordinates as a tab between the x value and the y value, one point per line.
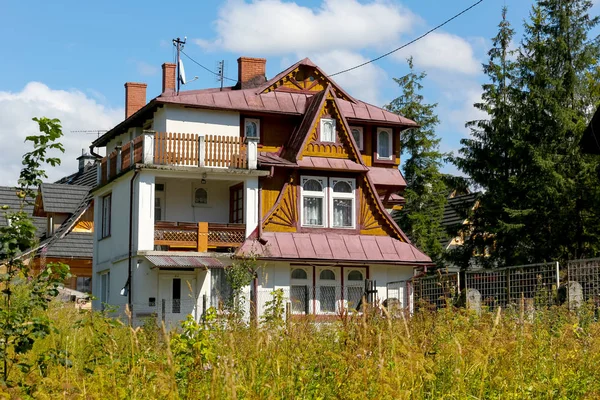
283	216
344	146
373	218
304	77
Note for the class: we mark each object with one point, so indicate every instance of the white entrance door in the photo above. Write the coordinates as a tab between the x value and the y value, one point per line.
177	298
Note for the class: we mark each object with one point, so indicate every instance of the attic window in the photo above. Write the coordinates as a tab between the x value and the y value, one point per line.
384	144
357	134
252	127
327	130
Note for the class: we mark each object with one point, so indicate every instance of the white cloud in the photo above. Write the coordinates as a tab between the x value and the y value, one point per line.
265	27
147	69
363	83
76	112
442	51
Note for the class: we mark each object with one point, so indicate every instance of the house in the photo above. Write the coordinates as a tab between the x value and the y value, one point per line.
292	172
63	216
456	210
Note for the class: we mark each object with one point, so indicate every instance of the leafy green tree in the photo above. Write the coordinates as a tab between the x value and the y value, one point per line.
26	292
425	193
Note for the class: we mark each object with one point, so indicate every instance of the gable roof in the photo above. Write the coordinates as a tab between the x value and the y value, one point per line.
8	197
259	101
454	214
297	139
87	177
60	198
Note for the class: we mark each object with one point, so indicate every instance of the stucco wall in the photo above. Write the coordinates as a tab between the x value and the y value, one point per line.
188	120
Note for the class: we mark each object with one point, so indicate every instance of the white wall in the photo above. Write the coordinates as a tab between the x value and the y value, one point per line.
144	212
251	204
189	120
179	200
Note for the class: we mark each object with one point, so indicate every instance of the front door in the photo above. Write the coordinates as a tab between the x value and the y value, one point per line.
177	298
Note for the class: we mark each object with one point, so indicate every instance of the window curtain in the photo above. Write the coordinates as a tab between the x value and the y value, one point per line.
313	211
342	212
383	144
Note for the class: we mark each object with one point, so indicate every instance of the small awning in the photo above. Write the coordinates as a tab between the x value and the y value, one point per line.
179	261
386	177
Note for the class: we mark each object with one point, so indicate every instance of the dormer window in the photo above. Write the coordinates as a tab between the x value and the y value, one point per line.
342	203
384	144
357	134
252	127
327	130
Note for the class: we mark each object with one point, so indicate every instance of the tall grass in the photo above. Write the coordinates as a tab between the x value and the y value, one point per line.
447	354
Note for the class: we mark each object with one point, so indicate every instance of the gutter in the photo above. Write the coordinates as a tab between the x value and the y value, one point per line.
129	267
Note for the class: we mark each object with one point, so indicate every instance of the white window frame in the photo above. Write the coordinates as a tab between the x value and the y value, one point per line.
390	132
321	130
294	282
323	194
194	204
104	282
344	196
106	215
250	120
360	135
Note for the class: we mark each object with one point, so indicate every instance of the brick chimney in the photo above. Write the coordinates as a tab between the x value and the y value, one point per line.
169	81
251	72
135	97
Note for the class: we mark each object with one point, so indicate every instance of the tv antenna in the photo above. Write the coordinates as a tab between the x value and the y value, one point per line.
221	72
97	132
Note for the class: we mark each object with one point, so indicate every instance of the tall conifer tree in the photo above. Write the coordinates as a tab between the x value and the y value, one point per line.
426	192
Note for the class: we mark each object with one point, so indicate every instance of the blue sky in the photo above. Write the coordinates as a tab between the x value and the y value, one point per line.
71	60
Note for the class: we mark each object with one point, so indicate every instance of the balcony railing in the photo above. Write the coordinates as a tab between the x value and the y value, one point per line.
180	149
198	236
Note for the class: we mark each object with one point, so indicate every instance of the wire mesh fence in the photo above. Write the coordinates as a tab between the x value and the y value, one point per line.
436	291
583	283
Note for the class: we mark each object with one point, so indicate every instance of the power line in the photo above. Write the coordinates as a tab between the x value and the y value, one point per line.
207	69
412	41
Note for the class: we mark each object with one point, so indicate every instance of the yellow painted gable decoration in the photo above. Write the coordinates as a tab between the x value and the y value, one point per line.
342	147
305	78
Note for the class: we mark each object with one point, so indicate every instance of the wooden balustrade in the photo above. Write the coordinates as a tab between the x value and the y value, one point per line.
225	151
176	149
199	236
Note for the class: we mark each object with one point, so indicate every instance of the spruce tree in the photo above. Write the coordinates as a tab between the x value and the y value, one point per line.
425	193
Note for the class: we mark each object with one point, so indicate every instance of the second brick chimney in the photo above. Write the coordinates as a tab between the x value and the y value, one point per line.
169	81
135	97
251	72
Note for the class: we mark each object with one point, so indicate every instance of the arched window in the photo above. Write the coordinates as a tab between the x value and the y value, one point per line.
327	275
313	201
357	133
312	185
342	187
327	130
355	276
299	273
384	144
200	196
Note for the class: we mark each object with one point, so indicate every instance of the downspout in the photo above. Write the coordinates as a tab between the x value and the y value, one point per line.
129	296
92	152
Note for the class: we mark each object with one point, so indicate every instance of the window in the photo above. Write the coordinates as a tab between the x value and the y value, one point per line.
354	288
327	295
299	273
220	289
384	144
236	204
200	197
327	130
159	202
342	203
84	284
313	201
106	210
176	306
357	134
252	127
355	276
299	291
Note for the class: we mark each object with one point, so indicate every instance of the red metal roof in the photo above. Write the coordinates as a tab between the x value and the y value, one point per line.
337	164
386	177
276	102
334	247
184	261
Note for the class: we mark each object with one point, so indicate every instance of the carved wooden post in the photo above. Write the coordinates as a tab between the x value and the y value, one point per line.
202	237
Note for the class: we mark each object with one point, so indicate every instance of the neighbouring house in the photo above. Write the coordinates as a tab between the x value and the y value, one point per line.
291	171
458	206
63	215
590	141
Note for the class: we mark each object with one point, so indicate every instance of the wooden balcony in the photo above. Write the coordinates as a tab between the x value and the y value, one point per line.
198	236
182	150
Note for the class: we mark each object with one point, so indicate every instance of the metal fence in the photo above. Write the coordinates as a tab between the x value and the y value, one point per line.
583	282
436	290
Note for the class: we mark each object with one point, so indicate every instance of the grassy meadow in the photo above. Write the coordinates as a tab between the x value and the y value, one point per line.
446	354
